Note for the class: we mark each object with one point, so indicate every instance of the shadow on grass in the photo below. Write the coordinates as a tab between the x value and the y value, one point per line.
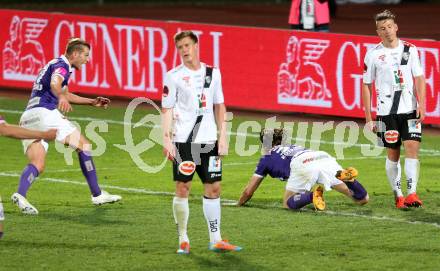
225	261
422	215
95	216
24	244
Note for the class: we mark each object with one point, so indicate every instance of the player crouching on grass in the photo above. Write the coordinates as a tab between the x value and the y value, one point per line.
302	169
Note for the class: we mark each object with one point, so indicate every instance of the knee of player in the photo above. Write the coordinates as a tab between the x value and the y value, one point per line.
363	201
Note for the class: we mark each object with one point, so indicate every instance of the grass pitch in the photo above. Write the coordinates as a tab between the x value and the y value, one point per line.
139	233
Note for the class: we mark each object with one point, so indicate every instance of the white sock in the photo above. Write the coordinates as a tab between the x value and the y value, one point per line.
181	214
212	212
412	174
2	216
394	171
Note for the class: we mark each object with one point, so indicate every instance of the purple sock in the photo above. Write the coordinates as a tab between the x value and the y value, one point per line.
300	200
359	191
30	172
89	171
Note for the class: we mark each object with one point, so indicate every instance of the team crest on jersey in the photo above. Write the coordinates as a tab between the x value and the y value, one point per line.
23	54
382	58
405	56
391	136
208	80
187	167
301	78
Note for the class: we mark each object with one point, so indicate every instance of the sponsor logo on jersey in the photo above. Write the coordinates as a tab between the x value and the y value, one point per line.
391	136
187	167
382	58
202	101
61	71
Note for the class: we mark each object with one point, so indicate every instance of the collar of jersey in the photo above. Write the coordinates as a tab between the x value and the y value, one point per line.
63	57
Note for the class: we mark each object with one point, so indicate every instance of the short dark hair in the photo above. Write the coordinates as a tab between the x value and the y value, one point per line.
273	137
183	34
384	15
76	44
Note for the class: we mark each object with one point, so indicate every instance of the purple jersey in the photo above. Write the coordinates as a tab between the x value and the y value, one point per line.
277	162
42	95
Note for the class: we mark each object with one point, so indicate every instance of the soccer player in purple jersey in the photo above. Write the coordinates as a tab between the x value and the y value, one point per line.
302	169
49	99
20	133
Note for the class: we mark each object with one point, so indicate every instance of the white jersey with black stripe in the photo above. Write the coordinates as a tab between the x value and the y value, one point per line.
184	92
383	67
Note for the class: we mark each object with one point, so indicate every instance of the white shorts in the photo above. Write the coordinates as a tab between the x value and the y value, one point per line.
42	119
310	168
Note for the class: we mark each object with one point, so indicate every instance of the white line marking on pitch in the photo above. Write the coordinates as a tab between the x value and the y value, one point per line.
224	201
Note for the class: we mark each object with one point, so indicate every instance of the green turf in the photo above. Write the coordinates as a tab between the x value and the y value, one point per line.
139	233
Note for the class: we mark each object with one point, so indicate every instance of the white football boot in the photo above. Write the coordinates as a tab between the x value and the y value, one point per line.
23	204
104	198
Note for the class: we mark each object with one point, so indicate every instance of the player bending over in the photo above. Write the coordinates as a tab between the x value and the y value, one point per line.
302	169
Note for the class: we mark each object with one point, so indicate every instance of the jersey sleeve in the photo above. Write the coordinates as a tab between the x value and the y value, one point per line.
261	170
416	66
169	93
218	88
369	70
61	71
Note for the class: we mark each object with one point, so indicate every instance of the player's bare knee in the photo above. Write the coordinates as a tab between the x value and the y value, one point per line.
182	190
363	201
212	190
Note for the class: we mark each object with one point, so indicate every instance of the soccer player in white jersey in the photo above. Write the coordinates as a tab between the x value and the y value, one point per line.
50	98
192	111
20	133
307	174
394	67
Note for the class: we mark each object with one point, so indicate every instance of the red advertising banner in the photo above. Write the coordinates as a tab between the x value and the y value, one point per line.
262	69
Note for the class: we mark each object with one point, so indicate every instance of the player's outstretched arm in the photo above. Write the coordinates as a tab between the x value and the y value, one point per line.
23	133
97	102
249	190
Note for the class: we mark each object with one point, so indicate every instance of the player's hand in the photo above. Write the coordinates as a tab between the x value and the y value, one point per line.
49	134
420	114
101	102
169	150
222	147
371	125
63	104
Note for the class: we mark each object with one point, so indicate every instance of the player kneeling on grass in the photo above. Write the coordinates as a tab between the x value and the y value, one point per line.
303	169
20	133
50	95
